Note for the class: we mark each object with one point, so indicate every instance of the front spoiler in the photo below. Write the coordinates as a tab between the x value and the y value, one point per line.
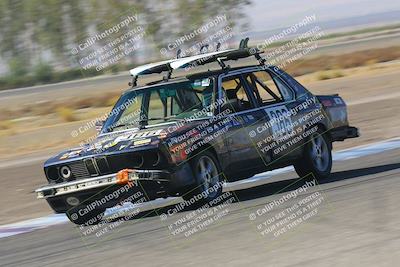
53	190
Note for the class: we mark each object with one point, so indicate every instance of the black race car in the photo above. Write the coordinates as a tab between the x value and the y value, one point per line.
187	136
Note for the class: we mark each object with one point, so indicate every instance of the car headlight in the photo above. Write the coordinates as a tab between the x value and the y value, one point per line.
65	172
52	173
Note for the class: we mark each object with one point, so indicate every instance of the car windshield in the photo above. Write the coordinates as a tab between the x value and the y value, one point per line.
165	103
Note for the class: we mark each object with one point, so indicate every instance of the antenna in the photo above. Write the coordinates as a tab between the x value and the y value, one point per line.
204	48
178	53
260	59
244	43
133	83
218	46
169	73
221	62
241	43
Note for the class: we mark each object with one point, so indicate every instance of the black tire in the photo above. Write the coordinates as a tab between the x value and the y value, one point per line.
91	218
208	184
316	161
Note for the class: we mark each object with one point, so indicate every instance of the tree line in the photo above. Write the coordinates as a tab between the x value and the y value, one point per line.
36	36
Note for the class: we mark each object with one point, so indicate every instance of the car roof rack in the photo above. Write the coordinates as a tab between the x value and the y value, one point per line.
151	68
193	61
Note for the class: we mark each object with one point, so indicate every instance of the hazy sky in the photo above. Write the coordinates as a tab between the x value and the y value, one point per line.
278	13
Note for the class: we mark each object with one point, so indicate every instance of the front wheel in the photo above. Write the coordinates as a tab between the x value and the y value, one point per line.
208	184
316	161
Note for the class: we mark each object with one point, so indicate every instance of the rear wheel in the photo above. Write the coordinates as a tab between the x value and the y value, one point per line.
206	171
317	157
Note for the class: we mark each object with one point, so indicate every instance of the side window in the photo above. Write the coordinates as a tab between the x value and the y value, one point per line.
285	91
301	91
173	106
235	96
268	90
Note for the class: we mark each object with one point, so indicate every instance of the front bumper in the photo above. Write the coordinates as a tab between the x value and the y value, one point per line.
152	184
101	182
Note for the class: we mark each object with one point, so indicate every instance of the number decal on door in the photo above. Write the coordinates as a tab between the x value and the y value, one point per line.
280	121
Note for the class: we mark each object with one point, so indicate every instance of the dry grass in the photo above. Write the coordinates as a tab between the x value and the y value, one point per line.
345	61
52	107
6	114
6	125
327	75
66	114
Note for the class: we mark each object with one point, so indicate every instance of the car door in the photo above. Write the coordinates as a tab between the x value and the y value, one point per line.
278	133
305	110
240	110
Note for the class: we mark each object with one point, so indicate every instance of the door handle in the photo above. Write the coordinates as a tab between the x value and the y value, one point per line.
229	140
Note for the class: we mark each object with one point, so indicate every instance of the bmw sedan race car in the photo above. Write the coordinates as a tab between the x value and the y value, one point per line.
187	136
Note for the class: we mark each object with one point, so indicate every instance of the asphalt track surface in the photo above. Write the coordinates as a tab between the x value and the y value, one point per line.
356	224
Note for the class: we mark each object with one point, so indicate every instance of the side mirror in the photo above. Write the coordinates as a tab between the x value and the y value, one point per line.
99	125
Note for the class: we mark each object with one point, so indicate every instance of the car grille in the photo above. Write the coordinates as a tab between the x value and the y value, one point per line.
89	163
79	170
102	165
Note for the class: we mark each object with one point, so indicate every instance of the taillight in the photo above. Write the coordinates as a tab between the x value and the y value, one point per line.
327	103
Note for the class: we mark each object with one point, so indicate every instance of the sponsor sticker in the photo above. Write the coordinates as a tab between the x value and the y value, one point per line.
71	154
142	142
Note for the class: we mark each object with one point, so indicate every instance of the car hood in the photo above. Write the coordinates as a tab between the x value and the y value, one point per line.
115	142
129	140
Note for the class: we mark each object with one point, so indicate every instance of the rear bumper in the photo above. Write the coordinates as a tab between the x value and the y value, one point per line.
342	133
